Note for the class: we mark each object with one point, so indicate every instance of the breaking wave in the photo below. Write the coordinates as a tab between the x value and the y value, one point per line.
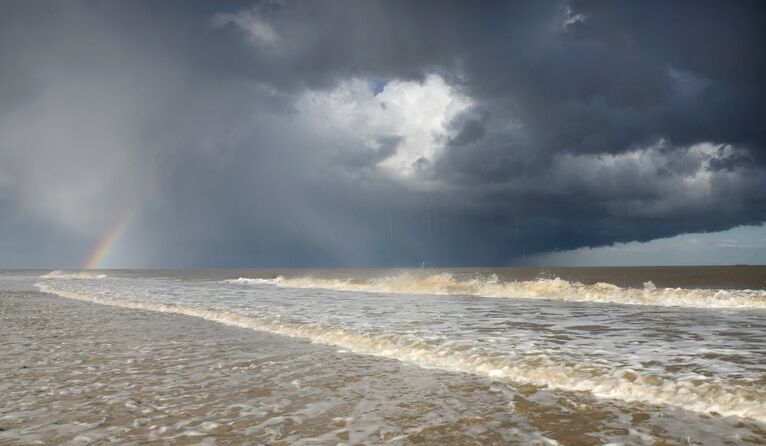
58	274
701	396
552	289
255	281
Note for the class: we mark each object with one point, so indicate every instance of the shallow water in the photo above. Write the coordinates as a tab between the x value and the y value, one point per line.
616	364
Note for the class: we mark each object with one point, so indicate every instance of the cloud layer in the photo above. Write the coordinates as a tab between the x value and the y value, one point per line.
374	133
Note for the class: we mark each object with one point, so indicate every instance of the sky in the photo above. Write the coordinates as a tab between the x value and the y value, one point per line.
381	133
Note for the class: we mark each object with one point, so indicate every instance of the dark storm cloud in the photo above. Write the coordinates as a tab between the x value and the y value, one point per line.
587	123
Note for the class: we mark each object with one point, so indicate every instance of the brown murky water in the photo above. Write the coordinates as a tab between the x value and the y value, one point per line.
366	357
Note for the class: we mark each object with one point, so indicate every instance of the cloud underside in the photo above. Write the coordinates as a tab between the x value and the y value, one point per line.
375	133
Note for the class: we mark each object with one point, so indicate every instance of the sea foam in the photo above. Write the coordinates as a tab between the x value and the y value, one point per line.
68	275
254	281
544	288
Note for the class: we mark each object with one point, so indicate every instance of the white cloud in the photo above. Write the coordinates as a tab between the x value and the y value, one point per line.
571	17
417	112
258	30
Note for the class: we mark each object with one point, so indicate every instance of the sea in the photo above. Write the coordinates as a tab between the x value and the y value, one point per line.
650	355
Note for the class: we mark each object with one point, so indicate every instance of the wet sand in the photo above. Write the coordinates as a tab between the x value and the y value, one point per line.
79	373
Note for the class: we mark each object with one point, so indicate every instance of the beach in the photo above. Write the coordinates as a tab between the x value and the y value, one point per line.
77	372
382	222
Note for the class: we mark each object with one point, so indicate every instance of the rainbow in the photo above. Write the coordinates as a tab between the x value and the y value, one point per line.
106	245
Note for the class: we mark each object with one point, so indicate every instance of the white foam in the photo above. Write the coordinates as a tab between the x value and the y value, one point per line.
68	275
552	289
254	281
703	396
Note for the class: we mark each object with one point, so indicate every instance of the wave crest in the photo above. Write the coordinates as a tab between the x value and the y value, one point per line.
68	275
254	281
543	288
